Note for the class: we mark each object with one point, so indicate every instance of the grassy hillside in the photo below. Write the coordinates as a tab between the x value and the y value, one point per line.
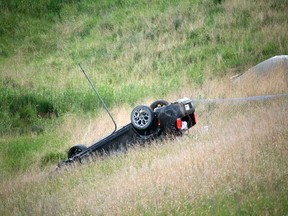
136	52
237	166
130	48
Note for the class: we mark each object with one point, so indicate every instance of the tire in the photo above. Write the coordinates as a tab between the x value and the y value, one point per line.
142	117
76	150
158	104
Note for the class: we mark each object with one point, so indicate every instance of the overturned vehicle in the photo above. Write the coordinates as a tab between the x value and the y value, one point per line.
148	123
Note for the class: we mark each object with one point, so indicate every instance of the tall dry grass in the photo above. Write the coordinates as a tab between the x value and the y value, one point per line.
234	161
237	153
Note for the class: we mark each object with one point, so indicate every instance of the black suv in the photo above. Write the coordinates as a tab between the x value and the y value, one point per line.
147	123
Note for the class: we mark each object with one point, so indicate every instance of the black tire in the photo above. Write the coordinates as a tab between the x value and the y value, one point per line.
76	150
142	117
158	104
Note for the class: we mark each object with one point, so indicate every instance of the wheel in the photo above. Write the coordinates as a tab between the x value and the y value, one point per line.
158	104
142	117
76	150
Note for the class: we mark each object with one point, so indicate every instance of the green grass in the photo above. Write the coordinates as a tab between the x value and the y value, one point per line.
223	203
134	52
22	152
131	50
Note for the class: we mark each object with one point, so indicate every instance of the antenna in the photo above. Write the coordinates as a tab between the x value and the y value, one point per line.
100	98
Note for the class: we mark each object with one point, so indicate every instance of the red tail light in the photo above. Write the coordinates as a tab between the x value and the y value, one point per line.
179	124
195	118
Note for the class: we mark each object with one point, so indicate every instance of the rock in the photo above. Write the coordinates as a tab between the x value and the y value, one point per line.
267	77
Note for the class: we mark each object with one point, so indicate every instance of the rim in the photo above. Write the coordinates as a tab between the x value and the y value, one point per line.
159	104
75	152
141	117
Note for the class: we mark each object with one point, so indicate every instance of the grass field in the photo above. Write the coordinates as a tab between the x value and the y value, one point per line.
233	162
236	166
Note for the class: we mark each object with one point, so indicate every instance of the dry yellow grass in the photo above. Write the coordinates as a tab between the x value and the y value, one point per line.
234	159
235	154
236	150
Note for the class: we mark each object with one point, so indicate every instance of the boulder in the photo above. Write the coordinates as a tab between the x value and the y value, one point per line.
267	77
